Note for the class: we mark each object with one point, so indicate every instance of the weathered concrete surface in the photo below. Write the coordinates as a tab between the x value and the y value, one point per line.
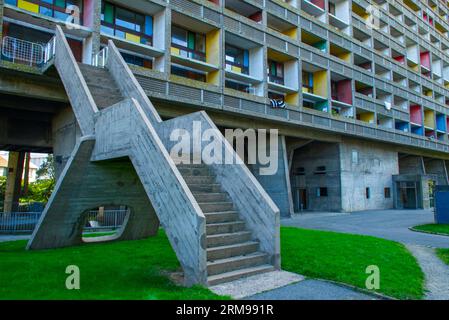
278	185
409	164
250	286
367	165
85	185
437	167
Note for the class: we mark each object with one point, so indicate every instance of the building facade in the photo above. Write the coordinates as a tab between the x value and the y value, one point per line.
359	90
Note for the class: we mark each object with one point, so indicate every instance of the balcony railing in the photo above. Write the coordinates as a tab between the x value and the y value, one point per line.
236	67
276	79
23	52
189	53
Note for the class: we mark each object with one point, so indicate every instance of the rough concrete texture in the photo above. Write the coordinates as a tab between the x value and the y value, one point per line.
367	165
409	164
85	185
250	286
437	167
310	157
435	270
278	185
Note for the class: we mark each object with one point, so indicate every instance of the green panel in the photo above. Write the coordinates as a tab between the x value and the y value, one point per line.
60	3
108	13
191	39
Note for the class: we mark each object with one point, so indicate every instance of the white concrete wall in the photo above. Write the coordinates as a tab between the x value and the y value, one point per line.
373	169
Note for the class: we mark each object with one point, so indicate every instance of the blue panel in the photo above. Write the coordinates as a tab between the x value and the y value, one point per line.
246	58
442	207
11	2
148	25
441	122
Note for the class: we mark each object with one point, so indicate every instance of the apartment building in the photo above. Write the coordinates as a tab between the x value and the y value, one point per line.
359	90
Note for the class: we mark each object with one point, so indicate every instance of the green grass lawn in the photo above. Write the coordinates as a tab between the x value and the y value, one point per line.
444	255
434	228
121	270
344	258
138	269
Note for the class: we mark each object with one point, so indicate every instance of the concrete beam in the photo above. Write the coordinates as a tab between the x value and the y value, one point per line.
13	181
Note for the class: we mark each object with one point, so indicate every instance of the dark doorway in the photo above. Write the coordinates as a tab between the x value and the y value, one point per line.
408	195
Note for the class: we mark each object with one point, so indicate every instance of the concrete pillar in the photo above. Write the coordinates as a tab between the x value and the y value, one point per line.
14	181
437	167
96	27
278	185
26	174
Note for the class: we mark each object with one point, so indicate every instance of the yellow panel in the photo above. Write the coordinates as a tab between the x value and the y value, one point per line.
132	38
28	6
320	83
367	117
213	47
236	69
175	51
292	99
345	56
305	90
292	33
429	118
213	77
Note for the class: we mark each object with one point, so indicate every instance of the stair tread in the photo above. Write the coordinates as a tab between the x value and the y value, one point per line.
231	246
236	258
241	272
220	212
239	233
226	223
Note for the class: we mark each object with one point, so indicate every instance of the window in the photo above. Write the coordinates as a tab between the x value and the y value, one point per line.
368	193
322	192
237	59
355	157
301	171
126	24
320	170
52	8
332	8
387	193
188	44
307	82
275	72
137	61
239	86
188	73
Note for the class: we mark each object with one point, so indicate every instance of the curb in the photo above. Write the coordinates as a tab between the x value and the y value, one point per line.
429	232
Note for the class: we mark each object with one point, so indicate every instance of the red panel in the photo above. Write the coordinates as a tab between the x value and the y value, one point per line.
344	91
400	59
318	3
77	49
256	16
5	29
425	59
88	13
416	114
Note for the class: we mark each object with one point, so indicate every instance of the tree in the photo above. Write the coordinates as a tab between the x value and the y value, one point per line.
42	188
47	169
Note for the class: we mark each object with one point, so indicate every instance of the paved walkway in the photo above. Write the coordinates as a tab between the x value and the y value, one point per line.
435	270
388	224
13	238
312	290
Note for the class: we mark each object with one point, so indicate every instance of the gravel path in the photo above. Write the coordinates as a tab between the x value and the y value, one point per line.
313	290
435	270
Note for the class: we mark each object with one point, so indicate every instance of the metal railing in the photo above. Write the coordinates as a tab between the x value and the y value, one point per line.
50	50
22	51
101	58
18	222
105	220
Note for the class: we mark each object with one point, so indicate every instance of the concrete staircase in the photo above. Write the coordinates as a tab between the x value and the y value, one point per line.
231	251
101	85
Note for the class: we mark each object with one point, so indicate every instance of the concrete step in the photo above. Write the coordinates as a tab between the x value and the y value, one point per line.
238	249
226	239
106	101
220	217
192	171
211	188
211	197
208	207
225	227
236	263
190	180
238	274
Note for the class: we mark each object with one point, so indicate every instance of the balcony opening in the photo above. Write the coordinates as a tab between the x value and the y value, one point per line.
366	116
441	126
427	92
363	62
341	92
340	53
385	121
283	77
425	61
339	14
126	24
56	9
315	87
282	26
416	115
399	79
315	8
385	97
399	57
359	11
314	41
412	4
293	3
195	49
244	63
415	86
395	33
401	103
401	125
382	72
429	120
364	89
244	9
361	36
412	54
381	47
